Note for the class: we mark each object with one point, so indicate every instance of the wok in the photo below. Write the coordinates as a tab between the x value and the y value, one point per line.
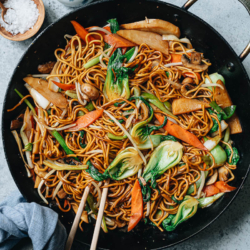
205	39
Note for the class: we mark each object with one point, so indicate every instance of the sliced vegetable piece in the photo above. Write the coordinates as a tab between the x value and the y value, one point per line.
60	166
180	133
26	101
114	26
136	206
153	25
71	93
185	105
87	119
205	202
118	41
127	163
198	183
41	86
223	99
211	190
116	137
154	100
186	210
166	155
152	39
81	32
65	86
236	156
212	142
192	75
224	187
62	142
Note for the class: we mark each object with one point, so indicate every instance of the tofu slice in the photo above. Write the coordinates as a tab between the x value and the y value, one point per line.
153	40
223	99
154	25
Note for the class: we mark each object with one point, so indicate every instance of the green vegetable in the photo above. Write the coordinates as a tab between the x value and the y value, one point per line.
81	139
120	121
186	210
92	62
214	78
137	92
168	105
71	93
114	26
198	183
227	135
127	163
80	113
226	113
60	90
236	156
146	192
106	46
156	140
204	202
116	137
119	87
61	141
215	126
218	153
90	106
95	174
26	101
60	166
129	54
28	147
154	100
49	111
167	221
90	202
166	155
176	201
167	73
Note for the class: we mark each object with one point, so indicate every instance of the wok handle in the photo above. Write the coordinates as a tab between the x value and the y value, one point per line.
246	4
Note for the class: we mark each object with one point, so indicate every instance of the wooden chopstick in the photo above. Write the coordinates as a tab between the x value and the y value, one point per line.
99	217
77	219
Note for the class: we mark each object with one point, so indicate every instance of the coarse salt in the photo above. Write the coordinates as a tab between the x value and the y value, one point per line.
20	17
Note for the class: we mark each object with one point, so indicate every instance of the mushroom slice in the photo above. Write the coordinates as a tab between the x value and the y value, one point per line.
188	63
90	91
196	58
223	174
213	178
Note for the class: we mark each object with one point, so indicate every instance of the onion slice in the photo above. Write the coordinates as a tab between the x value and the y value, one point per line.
40	99
127	134
173	64
99	29
15	134
99	193
59	186
176	39
41	184
205	85
203	178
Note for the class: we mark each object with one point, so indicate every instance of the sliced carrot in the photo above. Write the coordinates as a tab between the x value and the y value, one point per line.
136	206
81	32
224	187
175	58
117	41
87	119
64	86
192	75
211	190
181	133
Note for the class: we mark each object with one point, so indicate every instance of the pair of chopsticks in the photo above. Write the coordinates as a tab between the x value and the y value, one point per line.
78	216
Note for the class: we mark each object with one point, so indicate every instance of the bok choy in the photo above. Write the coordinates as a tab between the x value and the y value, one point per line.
166	155
186	210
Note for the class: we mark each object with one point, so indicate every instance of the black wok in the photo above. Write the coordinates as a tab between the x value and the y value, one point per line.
204	38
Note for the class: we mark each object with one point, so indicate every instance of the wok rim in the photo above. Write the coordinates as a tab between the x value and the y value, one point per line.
7	154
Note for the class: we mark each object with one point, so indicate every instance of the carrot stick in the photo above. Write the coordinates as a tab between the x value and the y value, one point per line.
87	119
192	75
64	86
117	41
211	190
224	187
81	32
181	133
136	207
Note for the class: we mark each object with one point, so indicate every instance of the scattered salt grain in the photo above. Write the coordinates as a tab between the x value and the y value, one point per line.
20	17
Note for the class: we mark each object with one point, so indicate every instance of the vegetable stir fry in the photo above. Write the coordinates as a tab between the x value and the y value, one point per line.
132	104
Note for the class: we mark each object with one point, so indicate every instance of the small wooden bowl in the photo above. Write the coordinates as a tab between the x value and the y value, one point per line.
31	32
